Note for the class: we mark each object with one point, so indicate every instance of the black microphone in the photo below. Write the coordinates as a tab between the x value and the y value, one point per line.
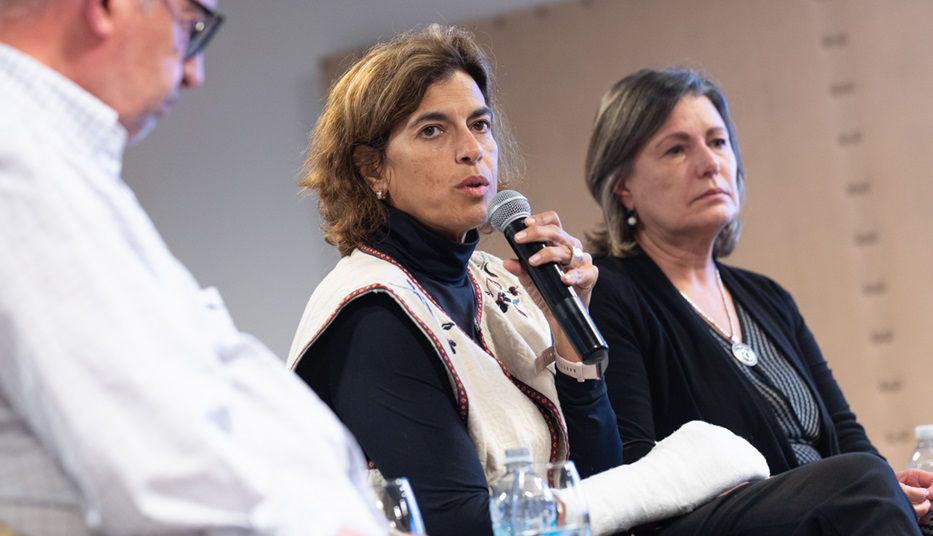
507	212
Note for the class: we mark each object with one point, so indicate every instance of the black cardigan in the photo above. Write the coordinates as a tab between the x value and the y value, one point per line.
666	368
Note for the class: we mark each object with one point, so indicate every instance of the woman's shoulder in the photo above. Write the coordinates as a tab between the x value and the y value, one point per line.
623	274
761	294
355	277
625	287
616	265
355	274
754	281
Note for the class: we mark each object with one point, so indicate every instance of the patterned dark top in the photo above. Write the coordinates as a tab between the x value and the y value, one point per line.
777	381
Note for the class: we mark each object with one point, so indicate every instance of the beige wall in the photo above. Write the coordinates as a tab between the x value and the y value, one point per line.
832	104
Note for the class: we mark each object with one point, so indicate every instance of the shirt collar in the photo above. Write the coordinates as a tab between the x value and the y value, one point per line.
421	250
77	114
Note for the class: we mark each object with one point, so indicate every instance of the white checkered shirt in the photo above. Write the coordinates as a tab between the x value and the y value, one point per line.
134	378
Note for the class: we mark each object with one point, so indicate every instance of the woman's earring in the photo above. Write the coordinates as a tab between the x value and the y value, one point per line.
632	219
380	195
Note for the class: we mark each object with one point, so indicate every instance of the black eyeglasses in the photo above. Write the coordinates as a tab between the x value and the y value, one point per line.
202	30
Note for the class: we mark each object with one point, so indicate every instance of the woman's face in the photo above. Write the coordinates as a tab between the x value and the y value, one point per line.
684	179
441	162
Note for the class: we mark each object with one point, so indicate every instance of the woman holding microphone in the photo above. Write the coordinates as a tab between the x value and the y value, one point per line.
439	357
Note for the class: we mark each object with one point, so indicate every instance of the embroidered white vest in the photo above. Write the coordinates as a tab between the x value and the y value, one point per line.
502	398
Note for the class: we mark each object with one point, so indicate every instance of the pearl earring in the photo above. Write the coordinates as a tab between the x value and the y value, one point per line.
380	194
632	219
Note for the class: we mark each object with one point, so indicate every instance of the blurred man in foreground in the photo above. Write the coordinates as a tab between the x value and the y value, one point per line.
126	392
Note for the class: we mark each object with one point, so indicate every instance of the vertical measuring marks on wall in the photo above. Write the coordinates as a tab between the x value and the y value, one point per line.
860	141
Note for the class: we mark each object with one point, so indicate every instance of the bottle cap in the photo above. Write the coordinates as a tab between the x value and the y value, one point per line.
924	431
521	454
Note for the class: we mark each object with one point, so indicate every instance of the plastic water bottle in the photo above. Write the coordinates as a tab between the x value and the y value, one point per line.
922	458
521	502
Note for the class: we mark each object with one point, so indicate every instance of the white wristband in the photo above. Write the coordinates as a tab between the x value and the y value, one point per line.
575	369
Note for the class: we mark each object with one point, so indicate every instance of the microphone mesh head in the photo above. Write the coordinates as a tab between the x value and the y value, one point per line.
506	207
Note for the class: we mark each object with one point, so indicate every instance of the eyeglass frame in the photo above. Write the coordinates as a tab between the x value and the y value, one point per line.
202	30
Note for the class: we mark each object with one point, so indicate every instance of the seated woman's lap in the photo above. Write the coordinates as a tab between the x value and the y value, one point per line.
848	494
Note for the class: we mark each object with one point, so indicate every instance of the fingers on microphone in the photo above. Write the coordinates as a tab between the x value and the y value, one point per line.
548	217
914	494
551	235
555	254
582	277
542	227
572	277
540	233
922	510
513	266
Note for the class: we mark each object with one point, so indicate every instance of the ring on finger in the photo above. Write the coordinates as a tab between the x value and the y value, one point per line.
576	257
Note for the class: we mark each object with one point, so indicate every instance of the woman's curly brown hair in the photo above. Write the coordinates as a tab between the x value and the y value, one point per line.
373	96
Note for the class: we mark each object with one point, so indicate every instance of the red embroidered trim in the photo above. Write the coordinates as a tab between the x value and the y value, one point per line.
463	403
350	297
552	416
478	299
476	291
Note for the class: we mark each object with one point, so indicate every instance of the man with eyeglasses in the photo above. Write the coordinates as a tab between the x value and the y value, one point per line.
128	400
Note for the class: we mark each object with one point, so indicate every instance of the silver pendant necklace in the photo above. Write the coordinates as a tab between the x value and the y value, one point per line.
741	351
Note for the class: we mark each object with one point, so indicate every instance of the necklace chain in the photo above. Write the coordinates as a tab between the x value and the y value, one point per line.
710	321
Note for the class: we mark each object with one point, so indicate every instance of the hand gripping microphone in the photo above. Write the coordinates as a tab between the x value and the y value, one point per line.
507	212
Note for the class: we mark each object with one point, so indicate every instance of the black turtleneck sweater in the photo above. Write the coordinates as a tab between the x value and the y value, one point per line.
382	377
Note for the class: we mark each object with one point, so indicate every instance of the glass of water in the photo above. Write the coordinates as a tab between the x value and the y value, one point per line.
573	515
396	501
